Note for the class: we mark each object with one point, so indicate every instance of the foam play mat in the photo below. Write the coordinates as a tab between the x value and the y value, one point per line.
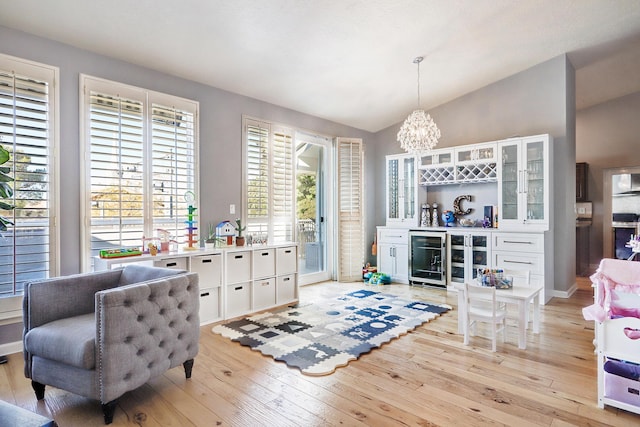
320	337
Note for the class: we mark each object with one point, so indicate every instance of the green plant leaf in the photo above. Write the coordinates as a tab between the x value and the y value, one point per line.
4	156
5	190
5	178
3	223
6	206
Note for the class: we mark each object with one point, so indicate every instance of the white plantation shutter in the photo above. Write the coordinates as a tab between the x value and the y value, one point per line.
26	130
141	160
282	186
350	209
116	167
269	185
257	176
172	167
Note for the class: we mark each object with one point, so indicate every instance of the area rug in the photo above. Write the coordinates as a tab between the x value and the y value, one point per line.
320	337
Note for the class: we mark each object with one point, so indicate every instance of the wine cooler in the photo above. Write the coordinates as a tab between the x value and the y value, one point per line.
427	258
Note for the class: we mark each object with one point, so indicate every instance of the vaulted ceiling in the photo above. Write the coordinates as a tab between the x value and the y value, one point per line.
350	61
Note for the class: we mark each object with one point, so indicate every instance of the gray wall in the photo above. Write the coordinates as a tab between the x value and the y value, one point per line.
535	101
220	130
608	136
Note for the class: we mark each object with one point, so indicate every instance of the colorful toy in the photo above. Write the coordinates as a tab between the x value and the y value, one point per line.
378	279
119	253
226	231
448	218
191	229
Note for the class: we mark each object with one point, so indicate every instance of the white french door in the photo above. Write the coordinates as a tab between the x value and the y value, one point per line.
313	207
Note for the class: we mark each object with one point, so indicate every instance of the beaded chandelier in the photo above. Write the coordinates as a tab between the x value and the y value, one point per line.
419	133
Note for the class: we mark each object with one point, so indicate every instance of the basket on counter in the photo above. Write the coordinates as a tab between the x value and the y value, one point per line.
495	278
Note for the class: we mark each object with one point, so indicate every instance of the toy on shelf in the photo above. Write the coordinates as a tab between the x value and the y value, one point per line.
120	253
191	228
225	231
448	218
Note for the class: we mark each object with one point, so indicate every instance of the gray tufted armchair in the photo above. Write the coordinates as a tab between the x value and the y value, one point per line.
102	334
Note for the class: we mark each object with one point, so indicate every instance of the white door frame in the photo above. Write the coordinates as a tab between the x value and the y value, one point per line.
329	214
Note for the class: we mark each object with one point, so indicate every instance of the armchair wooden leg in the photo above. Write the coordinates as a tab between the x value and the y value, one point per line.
108	409
39	389
188	366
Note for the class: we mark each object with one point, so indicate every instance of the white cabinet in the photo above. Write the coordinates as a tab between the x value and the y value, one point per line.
233	281
264	263
237	293
460	165
259	278
523	186
286	275
178	263
263	293
524	252
467	252
476	163
393	253
209	269
437	167
402	191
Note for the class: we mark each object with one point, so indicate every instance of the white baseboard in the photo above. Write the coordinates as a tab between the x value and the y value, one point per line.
566	294
10	347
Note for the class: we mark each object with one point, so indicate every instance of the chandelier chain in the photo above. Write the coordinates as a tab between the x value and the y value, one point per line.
419	60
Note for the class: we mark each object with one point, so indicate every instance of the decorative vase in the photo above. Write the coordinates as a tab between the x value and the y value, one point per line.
425	217
435	221
240	241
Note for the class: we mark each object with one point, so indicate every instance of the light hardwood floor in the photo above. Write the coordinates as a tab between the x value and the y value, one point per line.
426	378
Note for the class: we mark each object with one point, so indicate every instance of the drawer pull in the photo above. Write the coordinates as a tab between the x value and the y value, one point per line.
518	243
265	254
286	279
206	294
238	288
239	256
288	251
518	262
204	261
172	264
265	284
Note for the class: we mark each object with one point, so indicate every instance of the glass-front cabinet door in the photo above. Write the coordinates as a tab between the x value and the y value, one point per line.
402	190
534	180
509	181
523	187
393	189
468	252
409	188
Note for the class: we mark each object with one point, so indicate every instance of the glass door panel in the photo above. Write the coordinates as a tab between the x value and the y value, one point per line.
409	184
535	180
311	207
393	189
509	181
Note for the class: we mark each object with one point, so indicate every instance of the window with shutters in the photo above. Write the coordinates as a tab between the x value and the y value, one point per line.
350	209
269	185
140	150
28	96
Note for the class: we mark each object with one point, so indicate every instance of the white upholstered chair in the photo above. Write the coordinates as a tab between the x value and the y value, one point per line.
481	306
